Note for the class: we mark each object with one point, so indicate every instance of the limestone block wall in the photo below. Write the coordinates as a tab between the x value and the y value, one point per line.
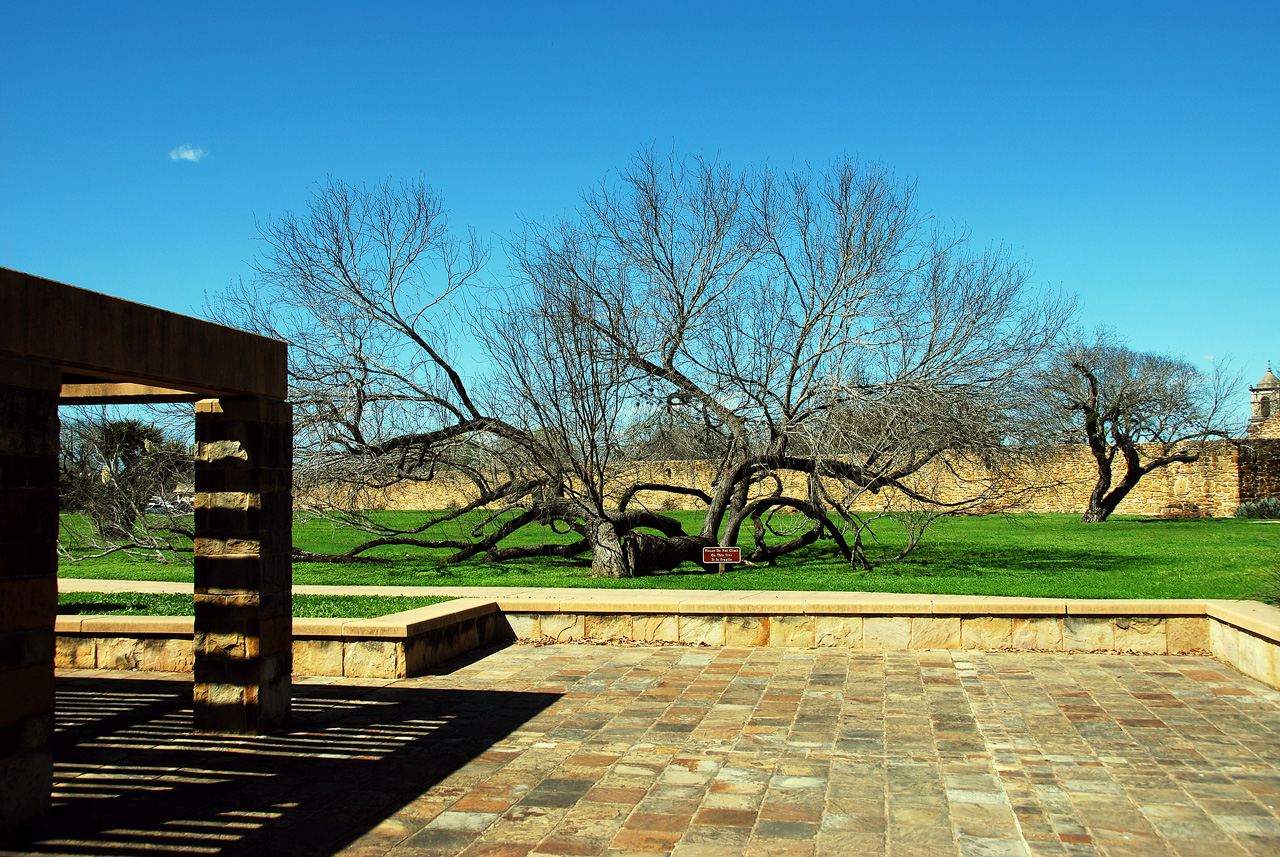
1259	467
1243	634
1140	634
394	646
1059	482
1268	429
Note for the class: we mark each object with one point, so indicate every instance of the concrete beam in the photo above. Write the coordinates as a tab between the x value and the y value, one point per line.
114	341
122	394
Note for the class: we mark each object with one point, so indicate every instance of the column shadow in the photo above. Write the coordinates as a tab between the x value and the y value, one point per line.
130	777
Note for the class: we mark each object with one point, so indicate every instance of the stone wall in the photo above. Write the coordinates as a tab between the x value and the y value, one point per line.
28	586
1058	482
1259	467
1268	429
1243	634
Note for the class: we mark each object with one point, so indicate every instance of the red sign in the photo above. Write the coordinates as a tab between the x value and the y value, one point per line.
721	555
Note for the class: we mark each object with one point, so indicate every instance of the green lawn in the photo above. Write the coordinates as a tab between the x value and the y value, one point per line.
308	606
1026	555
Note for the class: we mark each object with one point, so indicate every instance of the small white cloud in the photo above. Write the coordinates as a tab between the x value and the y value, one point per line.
1206	357
186	153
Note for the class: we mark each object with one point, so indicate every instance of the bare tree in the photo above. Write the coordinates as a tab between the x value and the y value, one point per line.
1151	410
815	334
118	479
812	322
361	285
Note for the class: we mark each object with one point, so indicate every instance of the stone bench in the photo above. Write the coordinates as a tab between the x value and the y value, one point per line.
393	646
1243	634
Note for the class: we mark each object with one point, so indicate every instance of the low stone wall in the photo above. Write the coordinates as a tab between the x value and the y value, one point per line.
1242	634
1143	634
393	646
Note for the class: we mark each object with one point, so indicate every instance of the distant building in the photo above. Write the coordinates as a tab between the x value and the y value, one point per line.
1264	399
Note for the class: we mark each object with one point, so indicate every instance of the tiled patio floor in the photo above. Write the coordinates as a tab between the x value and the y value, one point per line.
585	750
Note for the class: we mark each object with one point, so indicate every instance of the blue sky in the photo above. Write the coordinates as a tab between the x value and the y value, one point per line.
1129	151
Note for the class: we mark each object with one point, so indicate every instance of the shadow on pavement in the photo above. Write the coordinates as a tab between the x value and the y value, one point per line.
130	777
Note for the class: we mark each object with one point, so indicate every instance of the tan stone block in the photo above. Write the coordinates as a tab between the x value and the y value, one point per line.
221	645
1272	674
608	626
309	629
234	500
373	659
747	630
563	626
767	604
656	627
618	605
206	546
702	629
26	603
886	632
1039	632
117	653
987	632
1224	642
133	626
219	695
1256	657
523	603
996	605
317	657
165	655
1141	634
792	630
76	653
1133	607
713	604
1088	633
1186	633
1251	616
218	450
843	632
526	626
935	632
861	603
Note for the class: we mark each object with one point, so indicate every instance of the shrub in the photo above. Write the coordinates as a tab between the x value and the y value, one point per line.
1265	507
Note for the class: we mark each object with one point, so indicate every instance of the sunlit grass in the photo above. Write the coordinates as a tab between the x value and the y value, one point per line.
1025	555
304	606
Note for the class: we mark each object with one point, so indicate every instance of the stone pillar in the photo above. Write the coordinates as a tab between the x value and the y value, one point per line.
28	586
244	574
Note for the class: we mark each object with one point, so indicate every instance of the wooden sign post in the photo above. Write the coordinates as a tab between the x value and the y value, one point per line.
721	557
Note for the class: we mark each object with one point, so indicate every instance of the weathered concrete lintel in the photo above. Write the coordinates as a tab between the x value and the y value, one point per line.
120	342
123	394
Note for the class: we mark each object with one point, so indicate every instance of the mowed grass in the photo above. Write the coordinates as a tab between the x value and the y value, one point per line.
1020	555
304	606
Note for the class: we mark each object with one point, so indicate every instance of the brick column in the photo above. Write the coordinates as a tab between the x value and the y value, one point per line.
244	575
28	586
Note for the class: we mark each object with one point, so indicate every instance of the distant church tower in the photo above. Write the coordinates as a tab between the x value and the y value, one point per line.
1264	420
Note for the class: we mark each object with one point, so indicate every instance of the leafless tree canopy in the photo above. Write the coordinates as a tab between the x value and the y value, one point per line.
1151	410
119	478
805	327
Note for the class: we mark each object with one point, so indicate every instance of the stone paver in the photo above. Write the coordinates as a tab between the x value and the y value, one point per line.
690	752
